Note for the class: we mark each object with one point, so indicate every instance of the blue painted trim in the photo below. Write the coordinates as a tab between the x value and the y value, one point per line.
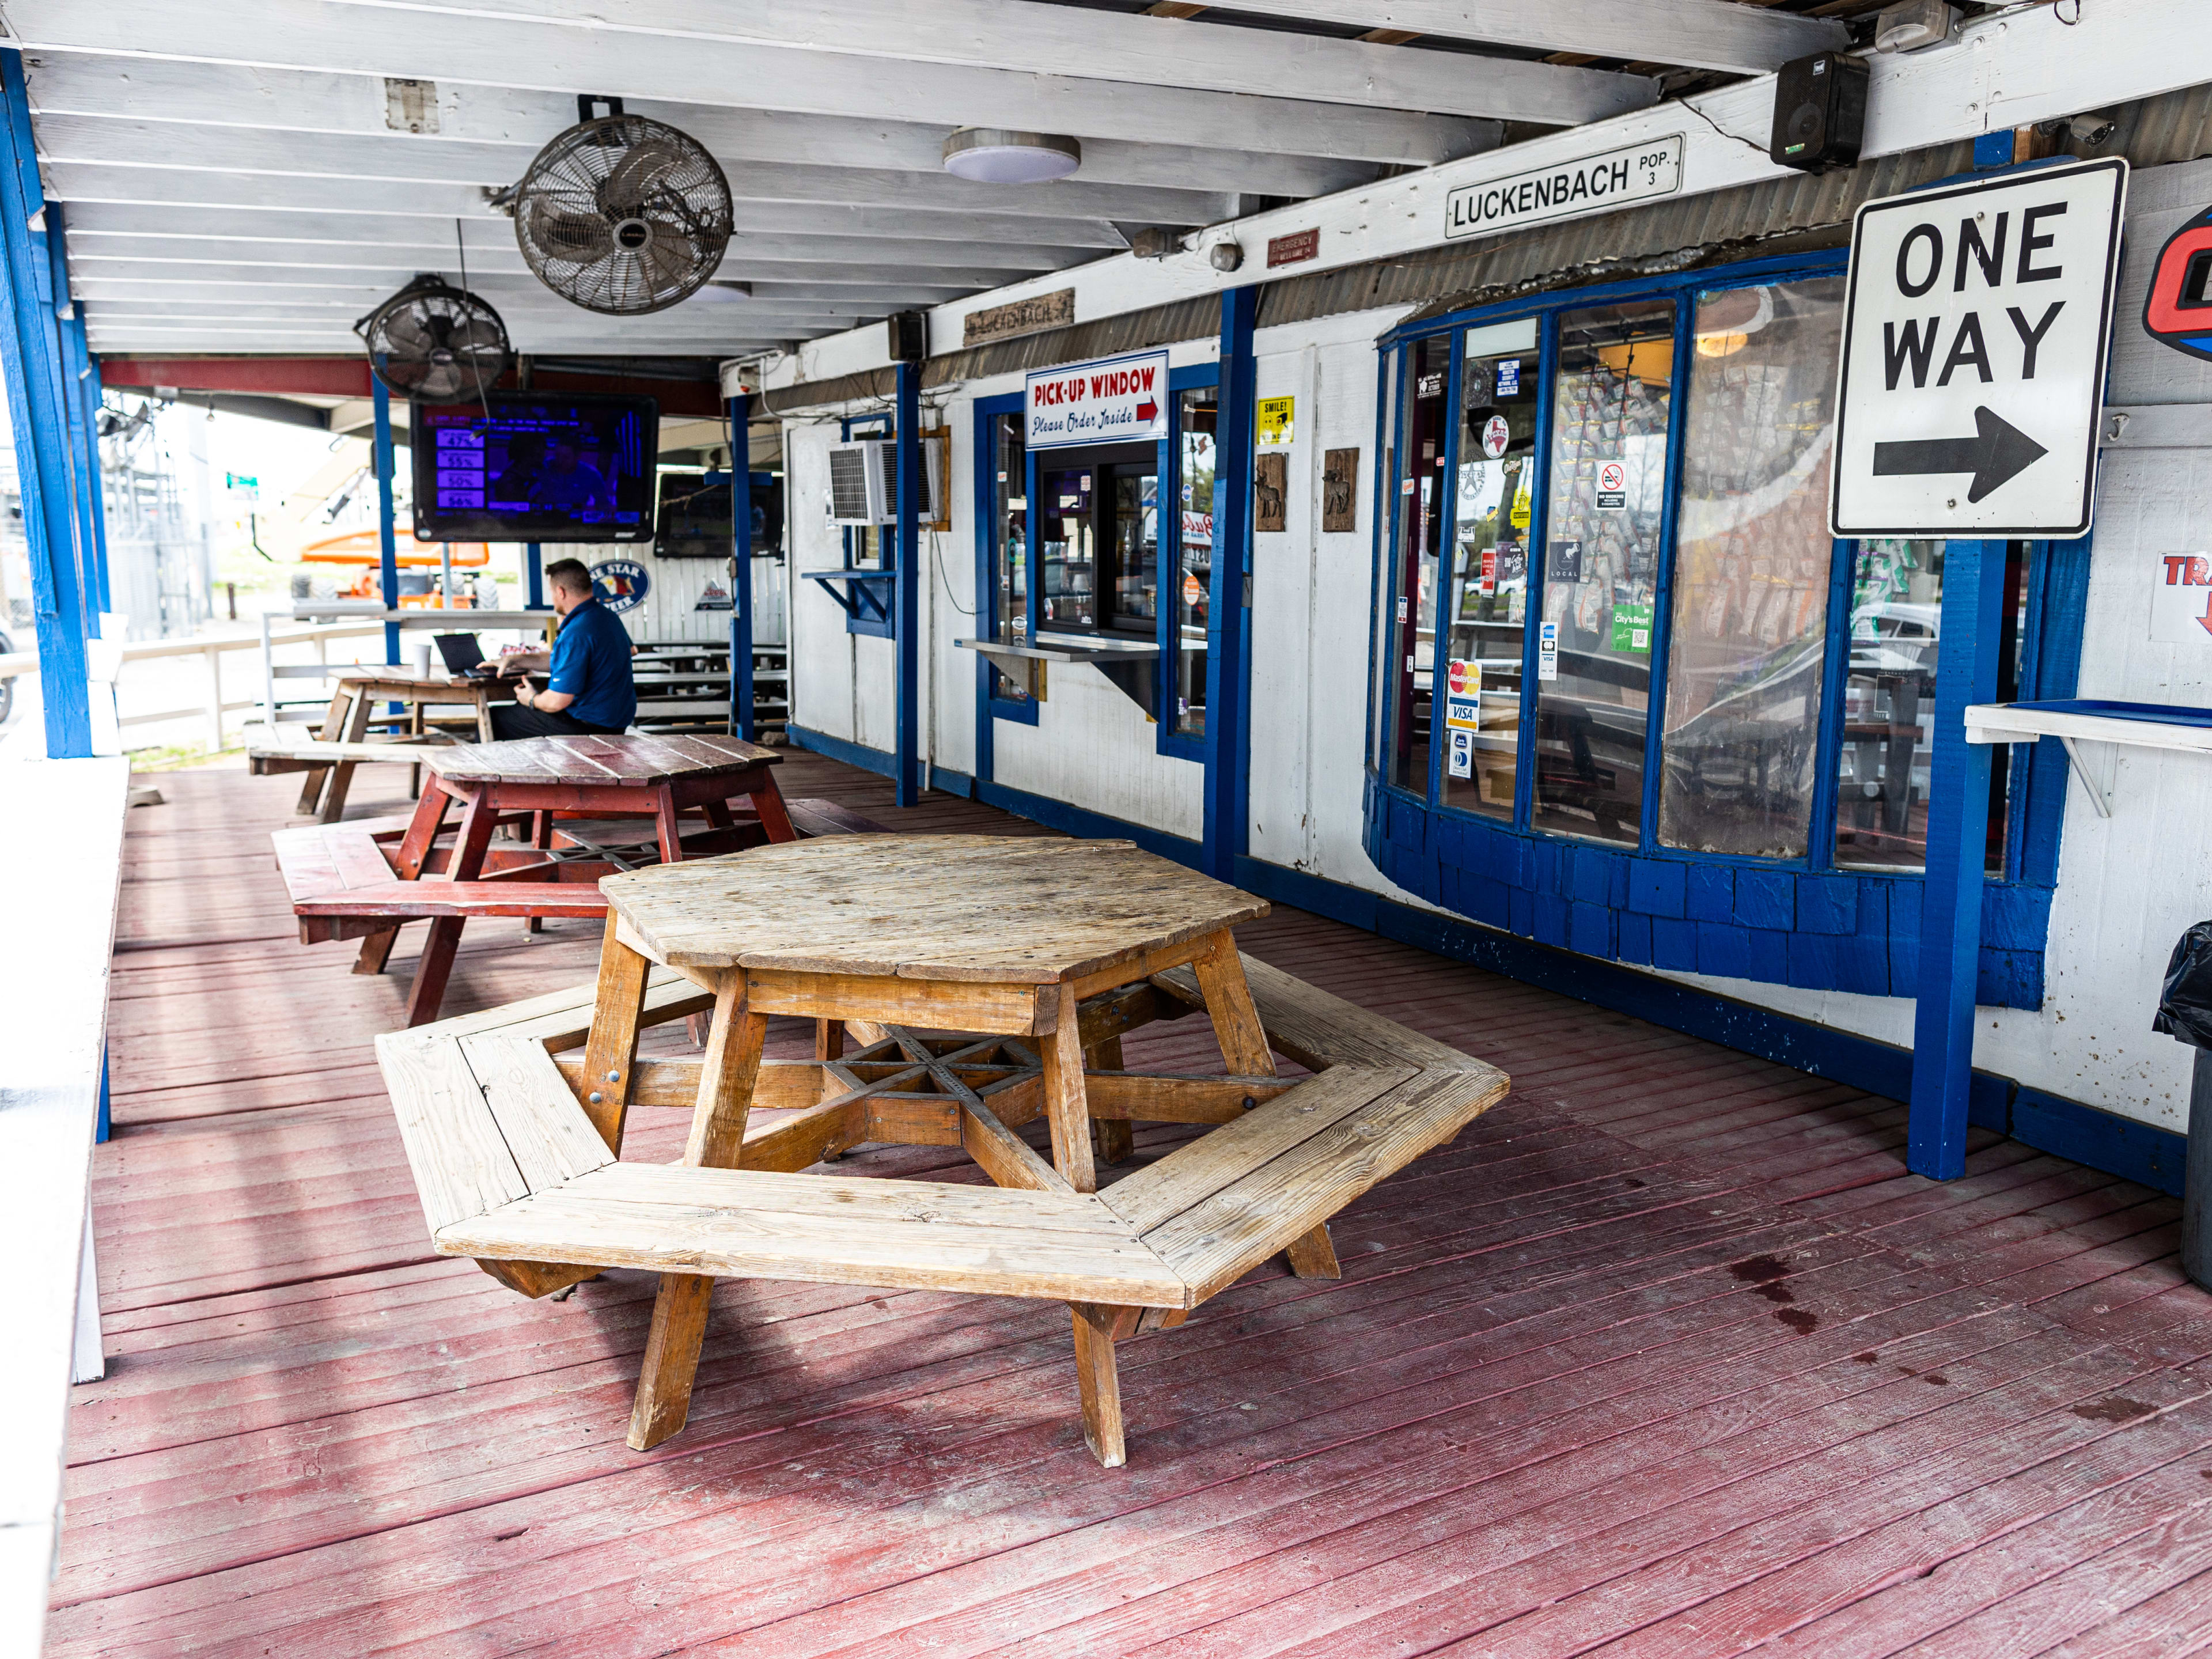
92	399
1835	672
1539	534
1228	641
865	611
533	576
883	763
908	589
743	722
106	1126
33	394
75	366
1958	822
387	540
1663	589
1089	825
2141	1152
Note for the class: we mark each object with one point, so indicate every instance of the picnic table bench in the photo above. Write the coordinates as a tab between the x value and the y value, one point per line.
513	1136
342	742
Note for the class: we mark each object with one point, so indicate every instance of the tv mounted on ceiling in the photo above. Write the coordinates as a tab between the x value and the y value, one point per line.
522	467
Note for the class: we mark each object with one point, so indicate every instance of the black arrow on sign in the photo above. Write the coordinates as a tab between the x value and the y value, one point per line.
1997	453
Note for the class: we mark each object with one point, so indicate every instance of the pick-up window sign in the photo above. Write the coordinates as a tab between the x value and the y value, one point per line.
1594	184
1113	400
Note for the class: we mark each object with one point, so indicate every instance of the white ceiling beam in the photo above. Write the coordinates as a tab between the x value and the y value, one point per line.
830	233
230	95
274	262
1022	37
326	36
1714	34
346	165
524	295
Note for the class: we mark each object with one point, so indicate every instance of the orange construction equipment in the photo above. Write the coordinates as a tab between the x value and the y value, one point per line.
362	547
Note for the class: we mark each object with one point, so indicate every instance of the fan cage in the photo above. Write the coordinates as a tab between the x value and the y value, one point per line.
436	344
623	216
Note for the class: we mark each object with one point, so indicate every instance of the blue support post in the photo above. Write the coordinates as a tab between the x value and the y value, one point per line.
29	348
905	625
533	576
90	387
1228	626
1958	829
743	723
387	539
74	364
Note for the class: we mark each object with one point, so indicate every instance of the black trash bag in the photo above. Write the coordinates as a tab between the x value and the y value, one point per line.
2185	1007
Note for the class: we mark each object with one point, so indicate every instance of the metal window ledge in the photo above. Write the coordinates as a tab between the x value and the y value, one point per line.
2134	725
1129	664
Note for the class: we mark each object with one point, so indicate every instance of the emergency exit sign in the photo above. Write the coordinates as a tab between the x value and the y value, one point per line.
1975	331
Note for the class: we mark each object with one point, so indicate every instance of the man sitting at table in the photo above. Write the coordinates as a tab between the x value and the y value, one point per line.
591	690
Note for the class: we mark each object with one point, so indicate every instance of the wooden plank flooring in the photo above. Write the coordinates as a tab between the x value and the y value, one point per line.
1665	1356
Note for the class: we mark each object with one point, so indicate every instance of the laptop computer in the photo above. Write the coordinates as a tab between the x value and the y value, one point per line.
464	656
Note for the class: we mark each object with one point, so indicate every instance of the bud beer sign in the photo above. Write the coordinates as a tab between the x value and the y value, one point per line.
1975	330
1114	400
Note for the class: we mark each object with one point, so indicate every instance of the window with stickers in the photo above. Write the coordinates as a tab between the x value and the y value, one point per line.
1609	608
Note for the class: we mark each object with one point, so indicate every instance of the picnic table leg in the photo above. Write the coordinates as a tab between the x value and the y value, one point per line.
1066	1103
334	721
484	733
1097	1328
1113	1140
436	964
356	731
727	1076
541	837
414	849
611	1050
768	804
1244	1046
671	830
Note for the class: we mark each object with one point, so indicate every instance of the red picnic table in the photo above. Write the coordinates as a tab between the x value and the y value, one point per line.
578	807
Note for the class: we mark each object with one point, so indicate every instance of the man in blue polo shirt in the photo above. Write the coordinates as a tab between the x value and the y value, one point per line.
591	689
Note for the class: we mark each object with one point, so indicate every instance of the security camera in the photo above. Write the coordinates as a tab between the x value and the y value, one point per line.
2091	130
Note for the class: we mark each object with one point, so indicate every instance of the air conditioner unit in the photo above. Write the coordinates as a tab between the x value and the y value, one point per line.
864	482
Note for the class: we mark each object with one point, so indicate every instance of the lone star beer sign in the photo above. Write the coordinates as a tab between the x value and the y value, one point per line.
1973	358
1114	400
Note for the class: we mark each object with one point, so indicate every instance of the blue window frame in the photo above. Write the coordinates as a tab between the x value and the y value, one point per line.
1660	864
1182	660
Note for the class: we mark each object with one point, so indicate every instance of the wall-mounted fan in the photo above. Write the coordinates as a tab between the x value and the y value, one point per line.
622	215
435	343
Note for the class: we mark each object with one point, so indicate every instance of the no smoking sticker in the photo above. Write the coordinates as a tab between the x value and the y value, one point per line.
1612	487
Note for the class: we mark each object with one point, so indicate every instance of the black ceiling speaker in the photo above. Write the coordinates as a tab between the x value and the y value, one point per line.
1820	113
909	336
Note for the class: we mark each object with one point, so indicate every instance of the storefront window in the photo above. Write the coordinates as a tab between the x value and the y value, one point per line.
1420	486
1197	410
1010	541
1134	530
1608	491
1752	563
1068	556
1889	704
1486	613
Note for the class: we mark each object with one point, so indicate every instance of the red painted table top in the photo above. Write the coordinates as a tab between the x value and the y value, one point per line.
628	763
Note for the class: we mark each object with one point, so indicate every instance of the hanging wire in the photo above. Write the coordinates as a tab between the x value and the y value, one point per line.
461	245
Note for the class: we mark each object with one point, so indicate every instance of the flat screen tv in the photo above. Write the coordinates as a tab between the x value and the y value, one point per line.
694	521
522	467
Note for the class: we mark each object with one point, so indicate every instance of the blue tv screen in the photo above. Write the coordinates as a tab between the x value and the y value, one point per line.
521	467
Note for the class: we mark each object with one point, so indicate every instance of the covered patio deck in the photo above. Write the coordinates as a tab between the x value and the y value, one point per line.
1666	1354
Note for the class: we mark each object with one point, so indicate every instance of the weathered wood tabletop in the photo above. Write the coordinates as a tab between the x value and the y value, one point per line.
631	762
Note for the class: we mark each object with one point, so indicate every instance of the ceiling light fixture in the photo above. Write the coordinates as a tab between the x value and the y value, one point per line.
995	155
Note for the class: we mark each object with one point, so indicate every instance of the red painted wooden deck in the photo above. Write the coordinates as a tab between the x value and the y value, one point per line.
1666	1355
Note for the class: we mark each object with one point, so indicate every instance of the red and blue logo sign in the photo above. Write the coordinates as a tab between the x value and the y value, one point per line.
621	584
2178	308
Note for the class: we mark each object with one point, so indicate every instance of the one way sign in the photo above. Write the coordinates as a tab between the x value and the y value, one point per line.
1973	362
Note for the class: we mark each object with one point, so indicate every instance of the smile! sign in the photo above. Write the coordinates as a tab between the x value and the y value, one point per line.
1114	400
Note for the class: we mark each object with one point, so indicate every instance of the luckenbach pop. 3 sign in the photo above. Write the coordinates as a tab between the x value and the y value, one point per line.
1114	400
1973	357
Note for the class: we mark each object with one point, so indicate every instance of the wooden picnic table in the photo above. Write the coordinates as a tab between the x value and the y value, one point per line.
353	711
901	934
603	779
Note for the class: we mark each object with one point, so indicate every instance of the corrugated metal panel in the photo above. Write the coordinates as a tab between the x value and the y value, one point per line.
1779	216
